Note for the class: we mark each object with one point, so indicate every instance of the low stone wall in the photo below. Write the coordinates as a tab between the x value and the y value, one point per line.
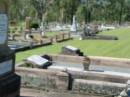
43	79
109	61
97	87
44	42
62	37
100	76
72	59
88	82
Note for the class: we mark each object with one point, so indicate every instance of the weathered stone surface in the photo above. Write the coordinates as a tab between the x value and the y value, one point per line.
101	76
97	87
43	79
87	82
62	37
25	92
110	62
80	60
62	81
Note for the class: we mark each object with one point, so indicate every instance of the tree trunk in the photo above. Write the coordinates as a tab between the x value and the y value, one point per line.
121	12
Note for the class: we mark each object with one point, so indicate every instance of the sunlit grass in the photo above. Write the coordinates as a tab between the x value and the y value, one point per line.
112	48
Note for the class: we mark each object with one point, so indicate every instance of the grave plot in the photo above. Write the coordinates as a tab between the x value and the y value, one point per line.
19	45
91	33
28	38
62	37
71	74
57	62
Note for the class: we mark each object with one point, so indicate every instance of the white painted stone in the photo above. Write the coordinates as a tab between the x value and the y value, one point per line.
74	25
37	60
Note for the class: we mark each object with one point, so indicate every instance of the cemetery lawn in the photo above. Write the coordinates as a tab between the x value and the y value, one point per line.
110	48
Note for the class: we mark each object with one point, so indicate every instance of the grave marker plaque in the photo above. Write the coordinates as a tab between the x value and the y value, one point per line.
9	81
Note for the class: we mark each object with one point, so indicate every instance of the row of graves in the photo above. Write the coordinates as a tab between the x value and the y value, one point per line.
91	31
33	37
72	71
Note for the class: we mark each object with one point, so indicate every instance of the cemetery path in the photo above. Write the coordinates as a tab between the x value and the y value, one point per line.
37	93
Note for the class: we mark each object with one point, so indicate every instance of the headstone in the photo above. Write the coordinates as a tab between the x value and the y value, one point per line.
90	32
70	50
74	25
28	23
27	28
42	29
38	61
9	81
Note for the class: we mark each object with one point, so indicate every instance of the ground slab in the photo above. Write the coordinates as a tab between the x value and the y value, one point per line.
38	93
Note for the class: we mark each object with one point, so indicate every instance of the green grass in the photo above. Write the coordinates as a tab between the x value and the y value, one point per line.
50	34
112	48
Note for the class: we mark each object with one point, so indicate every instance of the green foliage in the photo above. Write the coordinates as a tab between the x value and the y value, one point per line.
35	25
81	13
63	10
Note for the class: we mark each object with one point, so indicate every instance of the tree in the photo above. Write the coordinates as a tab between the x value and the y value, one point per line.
41	6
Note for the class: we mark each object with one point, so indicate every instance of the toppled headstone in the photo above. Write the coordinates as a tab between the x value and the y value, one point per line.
38	61
70	50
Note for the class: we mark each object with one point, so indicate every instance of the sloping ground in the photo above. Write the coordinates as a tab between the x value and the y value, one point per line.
38	93
111	48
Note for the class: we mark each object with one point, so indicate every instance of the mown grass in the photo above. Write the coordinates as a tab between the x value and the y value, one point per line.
111	48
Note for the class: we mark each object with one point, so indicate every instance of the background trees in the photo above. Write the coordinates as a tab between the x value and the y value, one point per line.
63	10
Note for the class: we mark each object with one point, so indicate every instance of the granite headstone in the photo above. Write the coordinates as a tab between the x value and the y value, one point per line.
9	81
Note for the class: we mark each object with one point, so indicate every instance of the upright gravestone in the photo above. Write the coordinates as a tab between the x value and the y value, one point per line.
74	25
28	23
27	28
9	81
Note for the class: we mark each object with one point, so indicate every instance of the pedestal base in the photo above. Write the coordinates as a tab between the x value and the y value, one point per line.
10	86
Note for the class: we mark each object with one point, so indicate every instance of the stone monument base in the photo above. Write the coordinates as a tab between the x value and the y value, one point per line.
100	37
10	86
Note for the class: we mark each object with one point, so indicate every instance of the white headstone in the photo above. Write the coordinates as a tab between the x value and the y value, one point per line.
38	60
74	25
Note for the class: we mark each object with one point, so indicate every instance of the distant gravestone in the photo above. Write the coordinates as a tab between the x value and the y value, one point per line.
70	50
74	25
28	23
9	81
